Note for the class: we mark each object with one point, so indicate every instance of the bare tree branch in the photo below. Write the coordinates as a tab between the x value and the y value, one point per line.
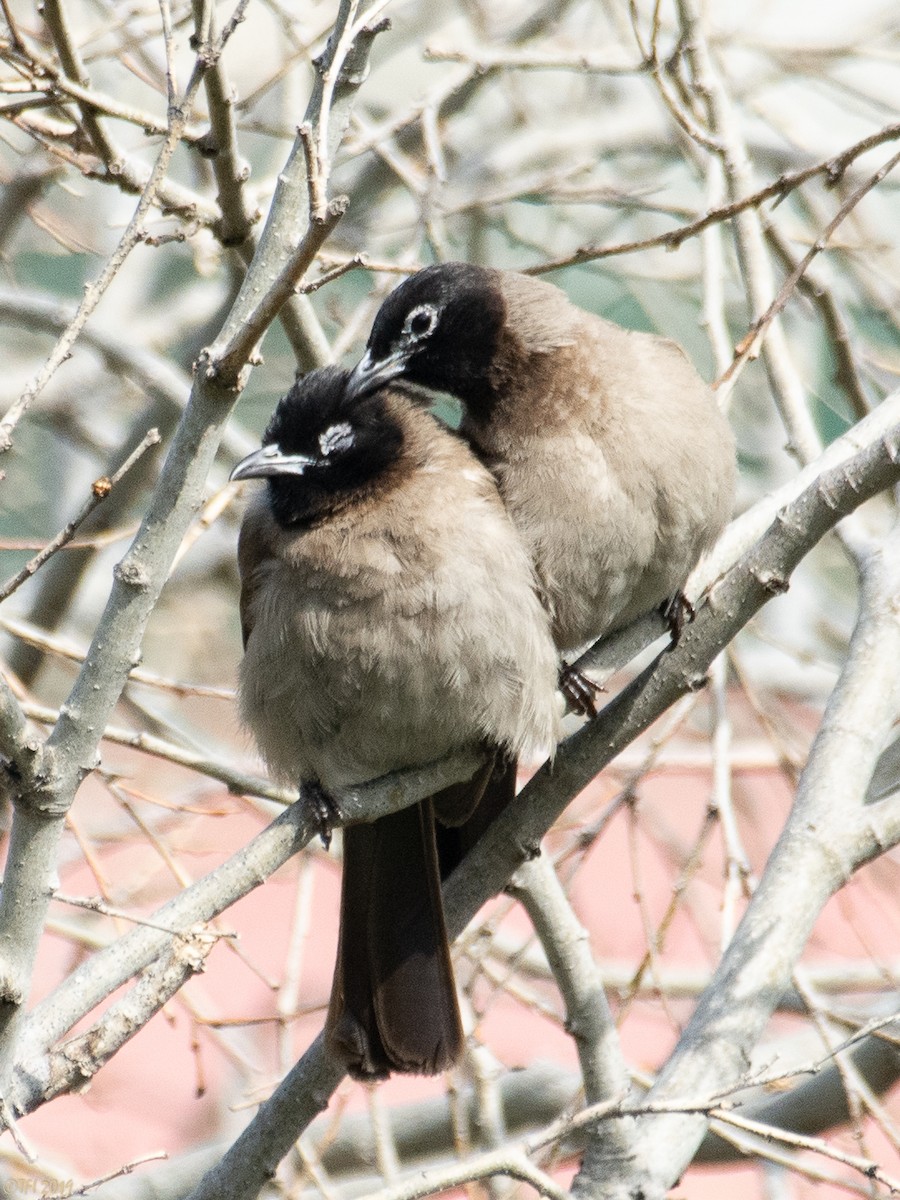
100	489
46	788
588	1016
730	137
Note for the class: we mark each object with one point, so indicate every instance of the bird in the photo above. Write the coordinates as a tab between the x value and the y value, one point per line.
390	617
610	452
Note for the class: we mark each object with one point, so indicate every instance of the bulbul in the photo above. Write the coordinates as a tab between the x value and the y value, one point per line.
610	453
389	618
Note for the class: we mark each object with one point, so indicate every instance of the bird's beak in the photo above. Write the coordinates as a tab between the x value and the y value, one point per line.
268	461
370	373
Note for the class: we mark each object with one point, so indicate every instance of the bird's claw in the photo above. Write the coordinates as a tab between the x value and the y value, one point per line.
677	612
580	692
326	813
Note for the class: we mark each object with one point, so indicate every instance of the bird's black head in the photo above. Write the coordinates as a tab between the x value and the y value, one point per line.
440	328
322	446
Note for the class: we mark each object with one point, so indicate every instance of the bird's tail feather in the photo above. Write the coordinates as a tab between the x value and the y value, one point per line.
496	788
393	1001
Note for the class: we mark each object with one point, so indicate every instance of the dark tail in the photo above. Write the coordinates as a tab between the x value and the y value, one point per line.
393	1001
459	827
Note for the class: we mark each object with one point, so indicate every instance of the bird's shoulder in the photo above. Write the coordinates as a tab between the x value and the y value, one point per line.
539	317
608	379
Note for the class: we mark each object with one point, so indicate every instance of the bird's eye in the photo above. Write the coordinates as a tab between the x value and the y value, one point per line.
336	439
421	321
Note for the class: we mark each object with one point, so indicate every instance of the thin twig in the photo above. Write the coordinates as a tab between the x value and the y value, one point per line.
832	168
521	60
749	344
221	145
236	781
54	644
89	98
865	1166
588	1017
98	905
738	873
100	489
11	1125
125	1169
130	238
755	265
357	261
227	363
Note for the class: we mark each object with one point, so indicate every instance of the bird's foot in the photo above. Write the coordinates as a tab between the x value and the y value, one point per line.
326	813
580	692
677	612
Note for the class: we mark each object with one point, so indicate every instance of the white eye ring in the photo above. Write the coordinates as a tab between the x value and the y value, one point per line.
414	326
336	438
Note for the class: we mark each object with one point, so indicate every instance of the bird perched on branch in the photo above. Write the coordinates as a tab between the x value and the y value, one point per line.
389	617
610	453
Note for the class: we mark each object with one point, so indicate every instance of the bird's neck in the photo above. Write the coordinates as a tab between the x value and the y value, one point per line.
520	393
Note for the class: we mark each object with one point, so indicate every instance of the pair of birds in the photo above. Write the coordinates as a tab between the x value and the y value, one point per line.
406	591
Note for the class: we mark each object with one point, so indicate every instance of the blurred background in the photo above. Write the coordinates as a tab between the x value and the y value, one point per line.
567	138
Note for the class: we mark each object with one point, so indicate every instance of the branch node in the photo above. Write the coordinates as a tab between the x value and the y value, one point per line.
696	681
771	582
10	991
207	145
381	26
132	574
203	365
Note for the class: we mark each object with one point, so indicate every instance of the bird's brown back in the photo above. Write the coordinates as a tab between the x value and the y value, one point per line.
610	453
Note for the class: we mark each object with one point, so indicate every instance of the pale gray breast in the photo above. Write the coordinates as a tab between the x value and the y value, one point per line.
369	651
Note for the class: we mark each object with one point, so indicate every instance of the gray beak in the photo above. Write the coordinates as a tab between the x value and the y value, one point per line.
269	460
369	374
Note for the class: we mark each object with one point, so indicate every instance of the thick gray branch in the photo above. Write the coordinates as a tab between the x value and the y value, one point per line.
588	1017
96	978
829	834
761	573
